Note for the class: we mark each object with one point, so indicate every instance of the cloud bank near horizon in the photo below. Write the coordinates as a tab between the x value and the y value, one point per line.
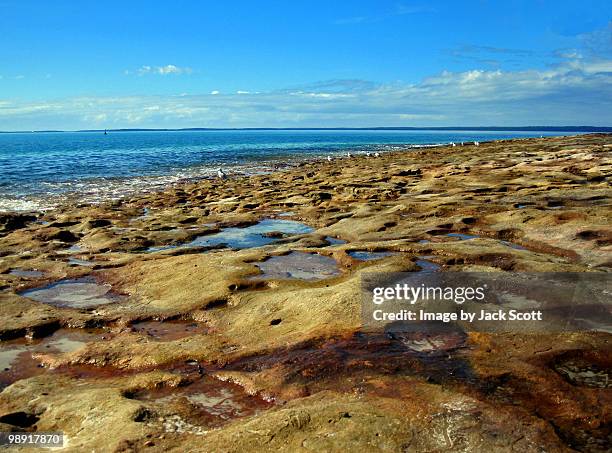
575	90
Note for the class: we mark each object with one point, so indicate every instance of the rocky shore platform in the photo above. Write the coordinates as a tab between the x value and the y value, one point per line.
225	315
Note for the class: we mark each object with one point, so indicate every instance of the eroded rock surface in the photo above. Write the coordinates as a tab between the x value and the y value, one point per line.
226	314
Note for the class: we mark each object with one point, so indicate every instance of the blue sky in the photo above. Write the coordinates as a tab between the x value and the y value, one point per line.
86	64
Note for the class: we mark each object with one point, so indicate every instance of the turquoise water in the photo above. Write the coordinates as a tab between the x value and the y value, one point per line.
39	170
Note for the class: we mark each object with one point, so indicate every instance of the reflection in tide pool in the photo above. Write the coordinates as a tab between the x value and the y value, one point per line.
253	236
368	256
298	265
78	293
25	273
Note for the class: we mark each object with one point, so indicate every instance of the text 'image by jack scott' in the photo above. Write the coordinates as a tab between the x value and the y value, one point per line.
349	226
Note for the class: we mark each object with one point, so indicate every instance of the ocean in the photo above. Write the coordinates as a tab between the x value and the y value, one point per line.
41	170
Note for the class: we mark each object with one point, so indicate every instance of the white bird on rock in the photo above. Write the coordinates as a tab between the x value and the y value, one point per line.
349	155
221	174
377	154
329	158
477	143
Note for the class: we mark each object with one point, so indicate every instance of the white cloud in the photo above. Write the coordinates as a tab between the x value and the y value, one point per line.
214	92
161	70
322	95
170	69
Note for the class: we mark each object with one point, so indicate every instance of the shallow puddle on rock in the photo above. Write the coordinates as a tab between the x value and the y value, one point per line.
170	330
462	236
26	273
146	212
206	403
16	356
512	245
76	248
77	293
161	248
466	237
334	241
426	265
17	363
81	262
363	255
256	235
8	355
298	265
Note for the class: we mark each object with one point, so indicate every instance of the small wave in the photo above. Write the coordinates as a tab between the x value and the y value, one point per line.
7	204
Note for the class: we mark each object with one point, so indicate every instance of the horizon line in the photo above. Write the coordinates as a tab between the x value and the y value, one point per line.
583	128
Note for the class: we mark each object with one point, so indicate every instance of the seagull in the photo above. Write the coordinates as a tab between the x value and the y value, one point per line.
477	143
349	155
329	158
221	174
453	144
377	154
368	154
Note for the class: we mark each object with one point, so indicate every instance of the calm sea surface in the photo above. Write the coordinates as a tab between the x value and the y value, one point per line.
40	170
